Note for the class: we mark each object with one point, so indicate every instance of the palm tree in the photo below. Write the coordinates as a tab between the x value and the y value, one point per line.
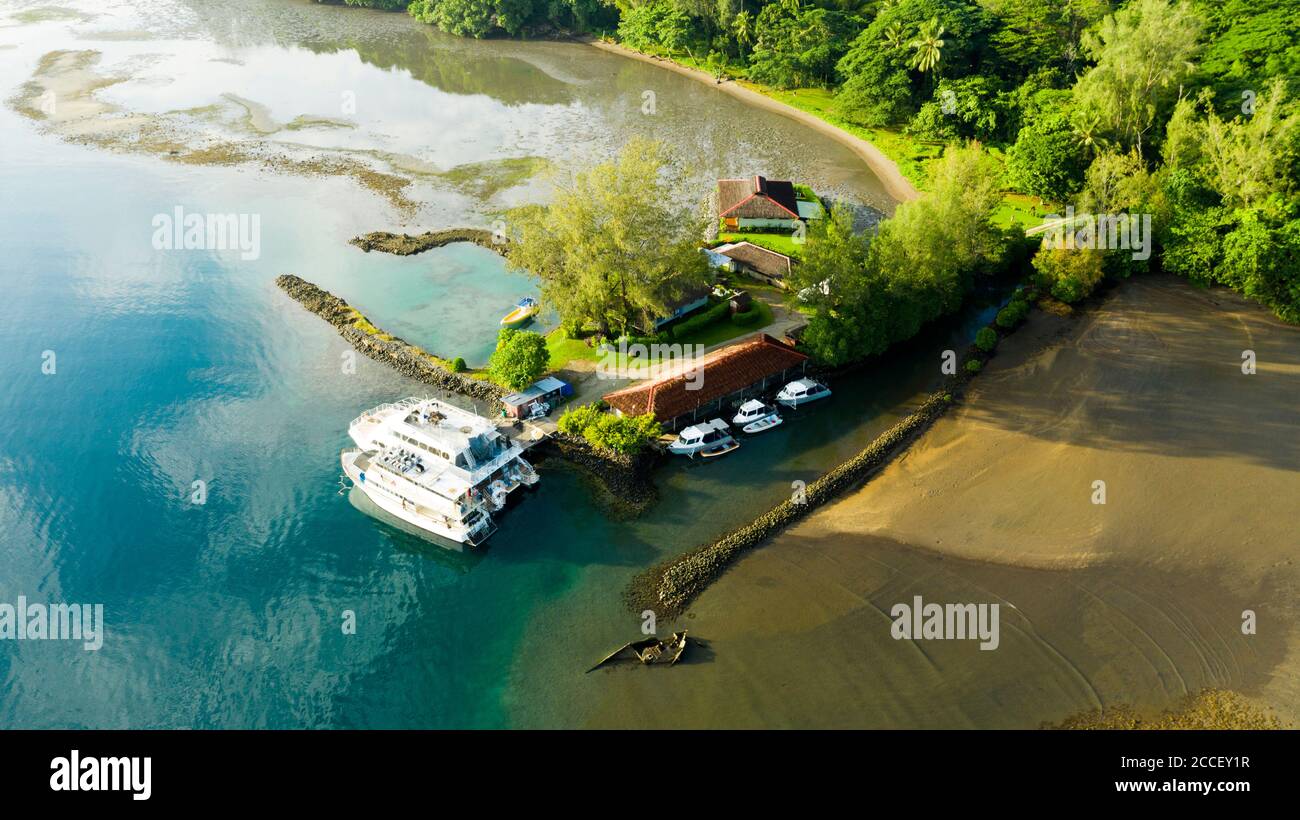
928	44
743	29
1087	133
895	39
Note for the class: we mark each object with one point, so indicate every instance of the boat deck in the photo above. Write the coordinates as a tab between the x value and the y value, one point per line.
530	432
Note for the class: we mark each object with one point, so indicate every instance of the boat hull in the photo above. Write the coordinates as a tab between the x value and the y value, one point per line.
763	424
717	450
394	506
518	317
799	401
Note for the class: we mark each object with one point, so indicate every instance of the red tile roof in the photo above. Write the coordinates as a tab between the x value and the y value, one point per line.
757	198
725	371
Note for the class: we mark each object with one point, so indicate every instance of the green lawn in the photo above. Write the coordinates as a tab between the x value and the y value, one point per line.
1027	210
779	242
725	329
565	350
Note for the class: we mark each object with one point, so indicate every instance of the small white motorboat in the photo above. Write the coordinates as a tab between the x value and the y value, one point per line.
802	391
755	417
707	440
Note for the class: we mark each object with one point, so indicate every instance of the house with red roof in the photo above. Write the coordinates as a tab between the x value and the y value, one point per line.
757	202
705	387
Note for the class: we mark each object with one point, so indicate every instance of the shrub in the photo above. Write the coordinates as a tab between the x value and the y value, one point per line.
747	318
974	366
520	358
458	365
1069	275
576	420
986	339
1013	314
704	318
622	434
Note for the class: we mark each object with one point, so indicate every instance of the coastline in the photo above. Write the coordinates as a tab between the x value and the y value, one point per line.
896	185
1138	603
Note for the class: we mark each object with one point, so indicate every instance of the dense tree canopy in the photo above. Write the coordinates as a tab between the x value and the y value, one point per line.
1181	109
615	245
919	266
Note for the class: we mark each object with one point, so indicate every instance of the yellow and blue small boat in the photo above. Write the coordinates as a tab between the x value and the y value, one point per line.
522	314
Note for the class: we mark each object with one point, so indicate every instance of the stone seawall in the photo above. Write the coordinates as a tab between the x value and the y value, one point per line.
625	482
405	244
405	358
670	586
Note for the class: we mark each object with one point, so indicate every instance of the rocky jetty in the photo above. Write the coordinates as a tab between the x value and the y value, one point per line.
405	244
669	587
405	358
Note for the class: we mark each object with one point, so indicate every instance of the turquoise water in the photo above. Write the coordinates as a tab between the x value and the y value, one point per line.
449	300
181	366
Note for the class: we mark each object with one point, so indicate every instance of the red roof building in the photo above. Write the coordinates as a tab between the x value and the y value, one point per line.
702	388
757	202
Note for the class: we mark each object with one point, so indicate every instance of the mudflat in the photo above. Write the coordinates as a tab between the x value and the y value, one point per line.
1140	600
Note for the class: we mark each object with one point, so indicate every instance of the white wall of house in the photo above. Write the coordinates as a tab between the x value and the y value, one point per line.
788	224
718	260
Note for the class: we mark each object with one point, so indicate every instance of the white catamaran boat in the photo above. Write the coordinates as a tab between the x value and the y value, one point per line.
436	466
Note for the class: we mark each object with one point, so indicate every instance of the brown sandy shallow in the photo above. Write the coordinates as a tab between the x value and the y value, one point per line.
61	96
1139	601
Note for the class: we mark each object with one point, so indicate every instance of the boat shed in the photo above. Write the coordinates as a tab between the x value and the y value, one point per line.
730	374
549	390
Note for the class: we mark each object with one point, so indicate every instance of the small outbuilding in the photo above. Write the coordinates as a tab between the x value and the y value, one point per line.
746	257
549	390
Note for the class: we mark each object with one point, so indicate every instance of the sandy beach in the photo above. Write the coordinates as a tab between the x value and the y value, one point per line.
896	185
1138	601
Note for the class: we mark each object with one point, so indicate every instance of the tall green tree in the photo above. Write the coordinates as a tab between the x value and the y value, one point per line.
520	358
616	243
918	267
1143	53
1046	160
